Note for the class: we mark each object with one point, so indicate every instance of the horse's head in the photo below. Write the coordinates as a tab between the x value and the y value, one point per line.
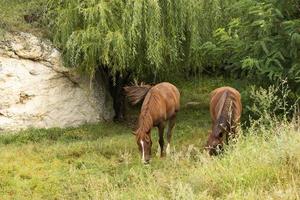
216	139
144	143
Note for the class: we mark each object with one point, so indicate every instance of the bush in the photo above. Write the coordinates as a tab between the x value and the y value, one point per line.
268	106
261	40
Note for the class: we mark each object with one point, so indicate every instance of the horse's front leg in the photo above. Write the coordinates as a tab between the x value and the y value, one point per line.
161	141
169	133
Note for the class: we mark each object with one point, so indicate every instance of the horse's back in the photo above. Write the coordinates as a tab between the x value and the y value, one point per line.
170	94
219	91
232	94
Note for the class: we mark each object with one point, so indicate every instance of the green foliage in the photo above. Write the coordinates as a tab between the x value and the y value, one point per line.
153	39
271	105
261	39
267	106
144	37
157	38
265	102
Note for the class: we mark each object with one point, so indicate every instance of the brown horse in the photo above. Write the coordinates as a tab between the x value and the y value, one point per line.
161	103
225	111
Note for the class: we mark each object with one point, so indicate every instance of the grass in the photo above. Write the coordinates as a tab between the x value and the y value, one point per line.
101	161
12	14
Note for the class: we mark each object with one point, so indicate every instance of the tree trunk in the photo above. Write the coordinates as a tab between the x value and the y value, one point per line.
115	85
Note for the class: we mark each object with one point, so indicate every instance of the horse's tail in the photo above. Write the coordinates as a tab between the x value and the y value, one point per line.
136	93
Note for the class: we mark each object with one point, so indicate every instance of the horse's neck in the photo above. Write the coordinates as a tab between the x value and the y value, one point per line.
145	122
141	134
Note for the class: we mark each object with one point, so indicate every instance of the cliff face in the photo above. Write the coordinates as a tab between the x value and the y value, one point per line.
36	90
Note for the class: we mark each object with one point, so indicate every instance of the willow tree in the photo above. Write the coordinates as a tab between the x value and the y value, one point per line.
126	39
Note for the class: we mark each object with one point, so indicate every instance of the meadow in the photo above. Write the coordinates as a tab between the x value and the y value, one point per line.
102	161
246	38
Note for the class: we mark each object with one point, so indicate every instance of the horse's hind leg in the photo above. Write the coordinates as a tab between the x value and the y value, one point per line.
169	133
161	141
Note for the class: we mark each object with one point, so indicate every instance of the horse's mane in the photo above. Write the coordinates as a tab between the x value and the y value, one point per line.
151	103
228	108
221	103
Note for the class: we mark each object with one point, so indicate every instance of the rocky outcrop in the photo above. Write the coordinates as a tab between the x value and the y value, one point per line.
36	90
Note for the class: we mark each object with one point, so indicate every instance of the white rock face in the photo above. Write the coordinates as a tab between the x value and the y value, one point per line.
37	91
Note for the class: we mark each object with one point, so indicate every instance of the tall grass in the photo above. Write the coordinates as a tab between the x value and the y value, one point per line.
263	163
12	14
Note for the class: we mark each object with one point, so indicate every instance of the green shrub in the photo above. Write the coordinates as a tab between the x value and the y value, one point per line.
260	41
271	105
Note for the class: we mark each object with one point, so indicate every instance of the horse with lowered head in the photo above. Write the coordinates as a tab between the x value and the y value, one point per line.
225	111
161	103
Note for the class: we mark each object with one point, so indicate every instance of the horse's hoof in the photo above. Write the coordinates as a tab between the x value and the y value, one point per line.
158	152
168	150
146	163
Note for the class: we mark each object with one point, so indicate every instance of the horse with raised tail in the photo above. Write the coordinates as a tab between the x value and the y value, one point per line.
161	104
225	111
